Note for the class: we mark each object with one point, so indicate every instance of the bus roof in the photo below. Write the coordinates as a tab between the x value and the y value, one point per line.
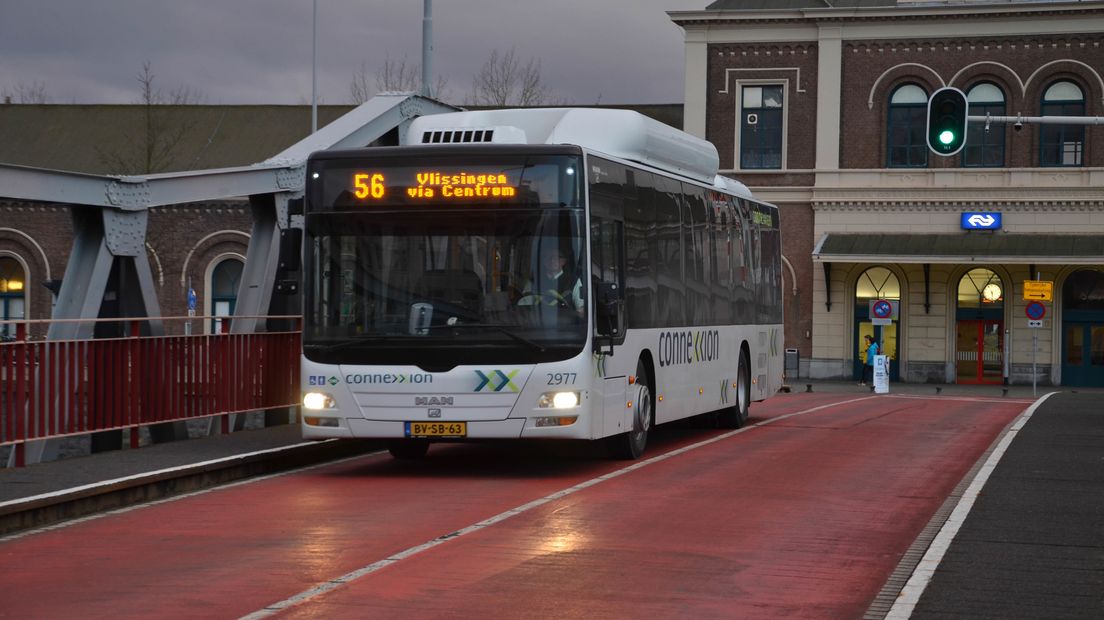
621	133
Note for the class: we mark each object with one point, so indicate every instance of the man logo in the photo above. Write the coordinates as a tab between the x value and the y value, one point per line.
432	400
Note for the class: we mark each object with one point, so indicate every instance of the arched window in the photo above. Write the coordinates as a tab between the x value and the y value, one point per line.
877	283
906	124
981	289
1084	291
984	146
13	283
1062	145
224	289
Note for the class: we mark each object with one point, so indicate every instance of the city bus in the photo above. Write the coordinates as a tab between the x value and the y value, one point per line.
567	273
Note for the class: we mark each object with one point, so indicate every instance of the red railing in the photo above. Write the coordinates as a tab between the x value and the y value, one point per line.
57	388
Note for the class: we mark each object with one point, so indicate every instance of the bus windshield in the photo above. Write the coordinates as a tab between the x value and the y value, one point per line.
440	287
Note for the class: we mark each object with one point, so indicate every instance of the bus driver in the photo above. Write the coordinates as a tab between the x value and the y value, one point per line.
553	287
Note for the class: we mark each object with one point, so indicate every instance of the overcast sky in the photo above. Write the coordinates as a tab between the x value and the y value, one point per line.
259	51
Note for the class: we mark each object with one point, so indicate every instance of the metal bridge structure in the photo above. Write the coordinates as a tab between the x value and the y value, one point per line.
110	215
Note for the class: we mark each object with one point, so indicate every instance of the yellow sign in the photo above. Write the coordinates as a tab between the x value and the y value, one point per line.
1038	290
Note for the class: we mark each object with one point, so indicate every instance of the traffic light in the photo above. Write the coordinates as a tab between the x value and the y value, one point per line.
947	117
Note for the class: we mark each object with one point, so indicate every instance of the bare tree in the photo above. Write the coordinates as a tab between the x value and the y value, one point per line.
397	75
503	81
394	76
155	146
359	88
22	93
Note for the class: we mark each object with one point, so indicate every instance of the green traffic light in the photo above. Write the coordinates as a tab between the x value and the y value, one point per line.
946	136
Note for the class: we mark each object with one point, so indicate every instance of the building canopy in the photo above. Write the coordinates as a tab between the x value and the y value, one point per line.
960	248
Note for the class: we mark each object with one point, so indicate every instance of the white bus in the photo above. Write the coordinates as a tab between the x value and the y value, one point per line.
538	273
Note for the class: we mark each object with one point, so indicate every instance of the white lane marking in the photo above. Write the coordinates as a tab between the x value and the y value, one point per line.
150	474
970	399
349	577
910	595
157	502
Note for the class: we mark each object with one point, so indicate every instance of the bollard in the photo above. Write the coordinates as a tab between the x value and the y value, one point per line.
808	387
1004	392
938	391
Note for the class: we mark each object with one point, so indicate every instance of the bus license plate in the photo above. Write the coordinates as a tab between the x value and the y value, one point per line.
436	429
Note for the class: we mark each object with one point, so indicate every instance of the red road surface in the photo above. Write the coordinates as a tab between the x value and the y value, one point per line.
803	517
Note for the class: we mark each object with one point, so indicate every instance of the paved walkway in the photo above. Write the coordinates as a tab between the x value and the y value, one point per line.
1031	547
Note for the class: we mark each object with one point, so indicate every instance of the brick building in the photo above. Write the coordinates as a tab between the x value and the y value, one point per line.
821	108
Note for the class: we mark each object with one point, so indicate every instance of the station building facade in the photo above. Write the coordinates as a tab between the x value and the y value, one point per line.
822	110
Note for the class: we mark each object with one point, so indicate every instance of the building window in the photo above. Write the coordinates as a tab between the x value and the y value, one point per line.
224	290
761	128
907	123
984	144
13	284
877	283
1062	145
981	288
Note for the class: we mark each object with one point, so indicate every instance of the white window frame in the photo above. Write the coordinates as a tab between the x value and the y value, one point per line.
738	130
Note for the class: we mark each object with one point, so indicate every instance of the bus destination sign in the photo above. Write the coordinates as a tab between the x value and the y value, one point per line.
372	186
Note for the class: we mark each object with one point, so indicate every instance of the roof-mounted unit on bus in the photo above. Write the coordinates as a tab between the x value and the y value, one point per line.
620	133
732	186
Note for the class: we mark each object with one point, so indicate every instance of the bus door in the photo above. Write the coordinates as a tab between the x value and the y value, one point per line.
608	293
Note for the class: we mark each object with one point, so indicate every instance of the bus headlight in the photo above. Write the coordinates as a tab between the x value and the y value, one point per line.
318	400
558	400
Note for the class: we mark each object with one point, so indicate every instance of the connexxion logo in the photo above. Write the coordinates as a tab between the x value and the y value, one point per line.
495	380
388	377
688	347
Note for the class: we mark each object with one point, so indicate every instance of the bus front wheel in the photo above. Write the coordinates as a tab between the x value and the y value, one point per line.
631	445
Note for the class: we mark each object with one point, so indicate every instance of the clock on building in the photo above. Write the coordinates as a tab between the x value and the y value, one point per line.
991	292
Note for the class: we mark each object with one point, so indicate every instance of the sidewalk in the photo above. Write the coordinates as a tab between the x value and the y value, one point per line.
1033	543
54	491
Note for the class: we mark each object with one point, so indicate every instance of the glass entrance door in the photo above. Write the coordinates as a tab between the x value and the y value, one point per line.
886	337
1083	354
979	352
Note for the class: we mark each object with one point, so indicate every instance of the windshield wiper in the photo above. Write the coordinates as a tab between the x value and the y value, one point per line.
499	328
342	343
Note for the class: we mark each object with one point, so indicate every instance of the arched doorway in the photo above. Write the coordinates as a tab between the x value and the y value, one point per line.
224	290
875	283
1083	329
13	283
979	328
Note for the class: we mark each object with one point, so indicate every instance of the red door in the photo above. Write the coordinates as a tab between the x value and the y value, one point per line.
979	357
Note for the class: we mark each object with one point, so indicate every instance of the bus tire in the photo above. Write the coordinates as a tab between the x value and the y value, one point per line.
408	449
737	414
631	445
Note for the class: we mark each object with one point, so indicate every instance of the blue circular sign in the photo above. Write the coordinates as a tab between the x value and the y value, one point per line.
882	309
1035	310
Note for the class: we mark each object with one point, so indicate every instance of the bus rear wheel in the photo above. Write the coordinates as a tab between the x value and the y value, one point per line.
631	445
408	449
737	414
